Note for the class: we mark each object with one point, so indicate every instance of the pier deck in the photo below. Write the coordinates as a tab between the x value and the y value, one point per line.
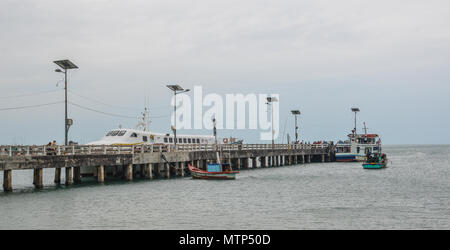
148	161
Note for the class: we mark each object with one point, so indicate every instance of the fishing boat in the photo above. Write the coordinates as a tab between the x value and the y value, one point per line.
357	146
375	161
214	171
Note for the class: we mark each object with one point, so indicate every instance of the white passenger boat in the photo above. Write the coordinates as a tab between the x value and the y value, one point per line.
141	135
357	146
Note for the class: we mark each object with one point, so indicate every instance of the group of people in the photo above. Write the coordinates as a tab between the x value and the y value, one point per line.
376	158
315	143
52	148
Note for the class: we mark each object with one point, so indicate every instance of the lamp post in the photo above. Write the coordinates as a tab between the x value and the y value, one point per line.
65	65
296	113
356	110
176	90
270	100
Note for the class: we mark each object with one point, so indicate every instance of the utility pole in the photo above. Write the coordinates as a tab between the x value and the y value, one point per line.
65	65
296	113
176	90
356	110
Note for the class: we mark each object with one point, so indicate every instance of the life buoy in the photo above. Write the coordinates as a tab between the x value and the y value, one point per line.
225	140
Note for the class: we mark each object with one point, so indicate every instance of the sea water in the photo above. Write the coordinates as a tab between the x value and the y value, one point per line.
413	192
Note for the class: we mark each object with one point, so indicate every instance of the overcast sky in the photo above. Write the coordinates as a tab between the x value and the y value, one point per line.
389	58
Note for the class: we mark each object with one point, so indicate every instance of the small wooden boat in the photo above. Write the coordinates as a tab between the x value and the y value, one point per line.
215	172
375	161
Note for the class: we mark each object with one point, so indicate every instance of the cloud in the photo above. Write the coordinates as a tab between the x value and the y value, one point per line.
129	50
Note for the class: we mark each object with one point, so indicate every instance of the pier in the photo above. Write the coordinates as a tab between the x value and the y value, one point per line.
148	161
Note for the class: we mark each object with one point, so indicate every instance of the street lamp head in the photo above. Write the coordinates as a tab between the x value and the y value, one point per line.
59	71
272	99
355	109
175	87
296	112
66	64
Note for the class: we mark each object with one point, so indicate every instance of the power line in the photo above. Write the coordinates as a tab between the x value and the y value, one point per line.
116	106
30	94
106	104
101	112
31	106
111	114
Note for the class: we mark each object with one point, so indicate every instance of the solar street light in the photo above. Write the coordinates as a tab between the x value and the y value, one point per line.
65	65
296	113
177	89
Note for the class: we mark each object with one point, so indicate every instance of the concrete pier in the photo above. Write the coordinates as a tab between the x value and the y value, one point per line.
162	161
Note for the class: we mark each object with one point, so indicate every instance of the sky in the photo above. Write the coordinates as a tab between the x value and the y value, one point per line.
389	58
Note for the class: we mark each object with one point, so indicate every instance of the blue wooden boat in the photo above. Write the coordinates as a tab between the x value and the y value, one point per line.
214	172
375	161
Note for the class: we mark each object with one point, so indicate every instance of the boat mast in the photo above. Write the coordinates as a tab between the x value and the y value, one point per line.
215	140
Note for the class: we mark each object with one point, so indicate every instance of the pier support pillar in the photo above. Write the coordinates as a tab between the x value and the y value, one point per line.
303	159
57	179
238	163
156	170
263	162
129	172
309	158
38	183
246	163
69	176
323	158
149	171
7	180
254	163
95	172
282	158
182	165
101	174
167	166
197	163
142	171
77	175
114	171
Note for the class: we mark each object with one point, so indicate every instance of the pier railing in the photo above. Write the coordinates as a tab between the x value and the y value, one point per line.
36	150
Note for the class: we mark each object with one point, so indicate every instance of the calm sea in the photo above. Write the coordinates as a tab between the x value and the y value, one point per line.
412	193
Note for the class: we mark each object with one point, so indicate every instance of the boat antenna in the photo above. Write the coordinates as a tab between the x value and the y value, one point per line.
143	123
356	110
365	128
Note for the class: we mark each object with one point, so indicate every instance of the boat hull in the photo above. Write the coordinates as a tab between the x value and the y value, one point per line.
201	174
213	176
374	165
350	158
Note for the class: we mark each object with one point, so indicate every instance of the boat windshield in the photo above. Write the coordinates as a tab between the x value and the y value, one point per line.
116	133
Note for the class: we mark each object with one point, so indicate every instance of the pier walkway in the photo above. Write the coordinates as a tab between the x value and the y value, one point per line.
148	161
